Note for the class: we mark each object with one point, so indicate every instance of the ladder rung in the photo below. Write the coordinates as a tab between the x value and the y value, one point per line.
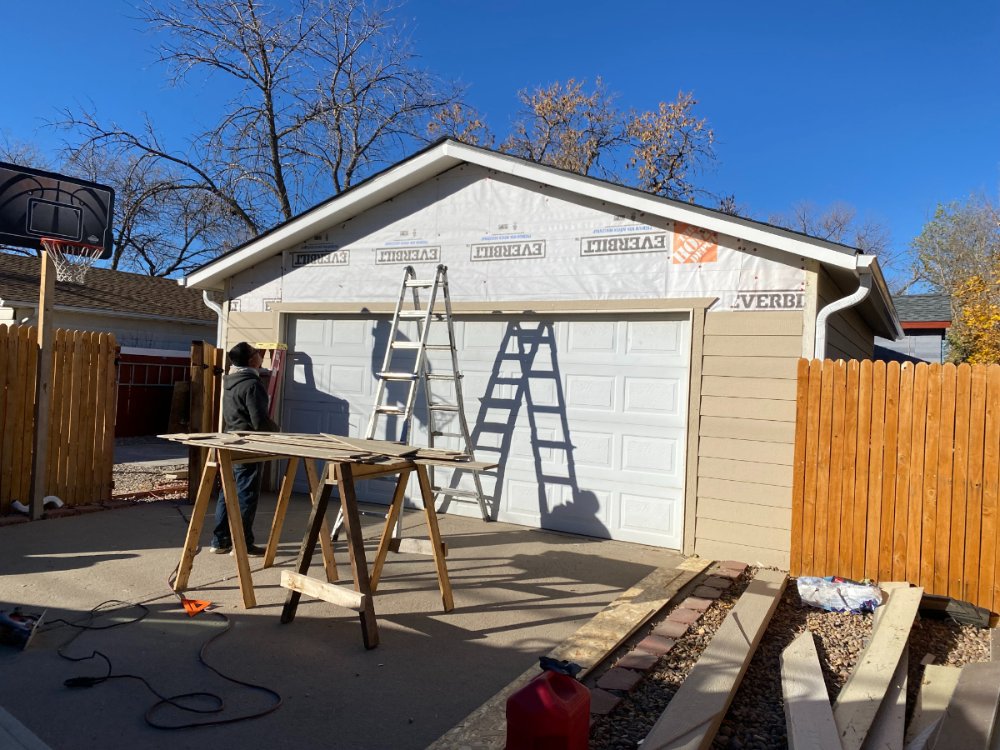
440	433
456	492
405	344
443	407
392	410
418	315
439	347
397	375
438	376
419	283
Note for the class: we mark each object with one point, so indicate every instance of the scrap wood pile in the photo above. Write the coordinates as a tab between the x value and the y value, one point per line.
722	684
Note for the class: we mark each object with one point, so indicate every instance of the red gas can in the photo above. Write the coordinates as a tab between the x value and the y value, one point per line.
552	712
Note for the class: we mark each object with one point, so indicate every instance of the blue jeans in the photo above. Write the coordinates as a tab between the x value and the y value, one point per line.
247	478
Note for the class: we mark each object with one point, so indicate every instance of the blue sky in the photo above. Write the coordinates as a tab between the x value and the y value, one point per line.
890	106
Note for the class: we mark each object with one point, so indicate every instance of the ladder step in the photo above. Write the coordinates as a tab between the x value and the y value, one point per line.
392	410
397	375
456	492
439	347
418	315
447	376
405	344
419	283
443	407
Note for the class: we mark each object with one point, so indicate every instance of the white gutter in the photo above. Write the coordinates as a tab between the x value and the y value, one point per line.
217	309
864	272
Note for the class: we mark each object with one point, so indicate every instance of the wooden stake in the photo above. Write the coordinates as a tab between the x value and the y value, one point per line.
43	384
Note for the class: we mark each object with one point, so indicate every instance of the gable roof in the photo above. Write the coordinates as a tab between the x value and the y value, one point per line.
447	154
105	291
920	308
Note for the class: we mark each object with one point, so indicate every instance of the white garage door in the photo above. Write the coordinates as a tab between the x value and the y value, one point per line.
586	417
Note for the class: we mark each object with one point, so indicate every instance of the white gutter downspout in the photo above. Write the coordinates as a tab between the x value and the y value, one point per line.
864	273
217	309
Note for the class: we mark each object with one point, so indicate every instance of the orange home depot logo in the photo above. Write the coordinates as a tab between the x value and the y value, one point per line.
694	245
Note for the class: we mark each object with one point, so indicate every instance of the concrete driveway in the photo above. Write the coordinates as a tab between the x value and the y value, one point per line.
518	593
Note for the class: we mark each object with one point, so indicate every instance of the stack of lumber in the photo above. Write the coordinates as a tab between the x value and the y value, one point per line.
956	707
321	446
693	716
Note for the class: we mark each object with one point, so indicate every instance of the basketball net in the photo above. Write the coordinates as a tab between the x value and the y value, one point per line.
71	259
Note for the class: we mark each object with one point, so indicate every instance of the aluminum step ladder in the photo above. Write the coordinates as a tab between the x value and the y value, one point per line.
441	414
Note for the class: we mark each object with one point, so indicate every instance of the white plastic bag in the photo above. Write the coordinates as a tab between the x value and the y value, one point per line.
838	595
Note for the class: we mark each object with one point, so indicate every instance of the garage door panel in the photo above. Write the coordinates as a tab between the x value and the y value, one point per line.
643	454
591	337
643	520
591	392
665	337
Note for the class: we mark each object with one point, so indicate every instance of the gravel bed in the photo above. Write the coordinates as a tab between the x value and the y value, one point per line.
756	717
129	478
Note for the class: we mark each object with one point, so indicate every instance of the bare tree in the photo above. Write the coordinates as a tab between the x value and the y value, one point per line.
323	93
839	223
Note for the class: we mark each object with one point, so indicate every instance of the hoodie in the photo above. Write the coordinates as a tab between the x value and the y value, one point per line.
244	402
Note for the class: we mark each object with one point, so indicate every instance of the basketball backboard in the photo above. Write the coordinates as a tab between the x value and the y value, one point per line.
36	204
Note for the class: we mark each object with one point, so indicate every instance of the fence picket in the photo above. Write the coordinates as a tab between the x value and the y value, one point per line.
960	489
834	502
812	464
4	457
875	462
915	480
946	451
893	375
974	494
823	445
23	418
848	540
799	468
903	457
859	466
927	503
991	457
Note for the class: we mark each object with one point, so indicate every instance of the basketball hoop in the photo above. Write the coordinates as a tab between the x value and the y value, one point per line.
71	259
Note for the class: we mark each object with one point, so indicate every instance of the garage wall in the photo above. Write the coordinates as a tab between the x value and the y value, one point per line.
141	333
746	436
848	335
255	327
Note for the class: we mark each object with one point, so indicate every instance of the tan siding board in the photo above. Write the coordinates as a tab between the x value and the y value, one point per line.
721	550
747	450
748	408
752	367
748	429
754	324
752	516
741	491
749	471
753	346
714	385
725	531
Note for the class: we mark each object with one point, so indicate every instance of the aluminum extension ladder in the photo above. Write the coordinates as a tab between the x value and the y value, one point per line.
437	411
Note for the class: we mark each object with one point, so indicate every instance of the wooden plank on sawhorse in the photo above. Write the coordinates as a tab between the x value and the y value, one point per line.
697	709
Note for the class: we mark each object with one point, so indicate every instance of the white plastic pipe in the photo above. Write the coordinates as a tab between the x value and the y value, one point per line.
864	287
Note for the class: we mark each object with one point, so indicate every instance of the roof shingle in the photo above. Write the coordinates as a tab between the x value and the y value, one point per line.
114	291
915	308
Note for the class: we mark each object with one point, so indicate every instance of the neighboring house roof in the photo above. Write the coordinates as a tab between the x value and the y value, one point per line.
105	292
447	154
923	308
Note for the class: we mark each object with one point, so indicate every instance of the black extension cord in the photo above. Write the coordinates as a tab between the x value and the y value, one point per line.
177	701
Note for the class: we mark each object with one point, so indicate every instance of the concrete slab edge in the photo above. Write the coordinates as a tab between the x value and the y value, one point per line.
15	736
591	645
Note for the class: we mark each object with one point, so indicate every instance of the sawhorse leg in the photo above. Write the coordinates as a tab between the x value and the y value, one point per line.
359	565
236	529
202	498
437	549
387	531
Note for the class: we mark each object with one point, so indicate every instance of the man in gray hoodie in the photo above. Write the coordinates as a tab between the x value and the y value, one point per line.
244	408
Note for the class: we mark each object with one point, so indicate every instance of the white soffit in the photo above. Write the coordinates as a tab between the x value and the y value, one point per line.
448	154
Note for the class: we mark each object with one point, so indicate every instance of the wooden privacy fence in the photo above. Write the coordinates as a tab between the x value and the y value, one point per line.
81	415
897	475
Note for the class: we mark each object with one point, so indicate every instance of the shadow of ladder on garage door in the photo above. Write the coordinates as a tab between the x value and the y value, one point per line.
398	348
500	406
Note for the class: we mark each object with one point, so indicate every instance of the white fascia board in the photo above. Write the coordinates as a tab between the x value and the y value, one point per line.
733	226
886	308
387	185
